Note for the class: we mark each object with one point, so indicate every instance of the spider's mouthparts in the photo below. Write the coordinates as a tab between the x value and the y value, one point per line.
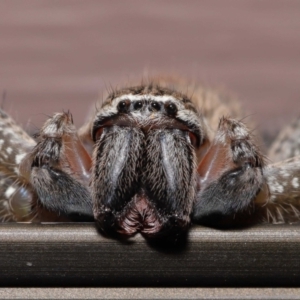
143	182
140	215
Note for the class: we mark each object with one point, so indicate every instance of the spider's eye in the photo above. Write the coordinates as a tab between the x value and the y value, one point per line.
249	164
98	133
123	106
138	105
171	108
155	106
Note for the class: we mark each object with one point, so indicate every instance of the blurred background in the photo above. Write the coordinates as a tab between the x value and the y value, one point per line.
58	55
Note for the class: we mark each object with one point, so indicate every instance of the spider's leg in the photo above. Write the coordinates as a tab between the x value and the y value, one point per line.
281	202
287	144
16	195
230	174
58	168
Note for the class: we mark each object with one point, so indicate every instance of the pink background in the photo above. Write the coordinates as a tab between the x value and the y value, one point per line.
58	55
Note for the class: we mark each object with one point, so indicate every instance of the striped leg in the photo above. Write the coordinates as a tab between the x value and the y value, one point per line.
16	196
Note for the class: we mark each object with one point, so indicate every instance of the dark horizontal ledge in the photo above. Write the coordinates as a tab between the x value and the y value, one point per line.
75	254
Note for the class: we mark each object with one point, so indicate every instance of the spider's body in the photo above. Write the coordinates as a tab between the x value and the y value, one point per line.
150	160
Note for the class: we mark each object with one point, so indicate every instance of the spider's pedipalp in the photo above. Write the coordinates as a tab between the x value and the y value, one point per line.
58	168
230	174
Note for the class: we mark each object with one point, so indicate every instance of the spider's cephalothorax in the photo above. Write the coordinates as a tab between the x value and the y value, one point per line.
150	160
144	162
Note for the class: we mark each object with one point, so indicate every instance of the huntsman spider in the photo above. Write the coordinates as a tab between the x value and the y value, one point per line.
151	159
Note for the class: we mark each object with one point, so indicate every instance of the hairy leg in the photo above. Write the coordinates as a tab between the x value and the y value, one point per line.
280	203
287	144
16	195
58	169
237	187
230	174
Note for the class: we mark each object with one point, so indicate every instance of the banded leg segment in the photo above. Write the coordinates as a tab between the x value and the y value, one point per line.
287	144
17	199
280	202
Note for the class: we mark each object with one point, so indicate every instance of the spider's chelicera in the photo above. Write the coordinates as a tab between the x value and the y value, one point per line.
150	160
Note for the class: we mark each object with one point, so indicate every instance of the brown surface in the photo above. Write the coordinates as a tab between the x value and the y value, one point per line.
57	55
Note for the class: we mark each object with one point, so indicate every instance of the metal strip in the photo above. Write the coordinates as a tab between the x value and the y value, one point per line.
77	255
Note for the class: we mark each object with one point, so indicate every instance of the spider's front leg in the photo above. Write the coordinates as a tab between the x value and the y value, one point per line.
230	174
58	168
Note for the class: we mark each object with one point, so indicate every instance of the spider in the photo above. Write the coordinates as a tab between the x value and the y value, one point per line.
151	159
